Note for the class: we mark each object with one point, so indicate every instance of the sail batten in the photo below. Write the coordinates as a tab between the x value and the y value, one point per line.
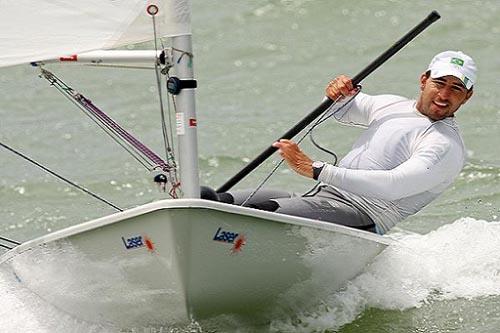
62	27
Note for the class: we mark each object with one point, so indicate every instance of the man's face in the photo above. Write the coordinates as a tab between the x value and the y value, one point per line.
441	97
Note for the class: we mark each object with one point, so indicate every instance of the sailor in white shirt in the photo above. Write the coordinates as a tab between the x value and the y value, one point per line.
409	153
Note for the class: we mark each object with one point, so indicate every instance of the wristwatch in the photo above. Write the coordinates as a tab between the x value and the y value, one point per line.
317	168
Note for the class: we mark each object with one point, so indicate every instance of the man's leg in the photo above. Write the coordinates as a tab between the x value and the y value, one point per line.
328	206
326	209
263	195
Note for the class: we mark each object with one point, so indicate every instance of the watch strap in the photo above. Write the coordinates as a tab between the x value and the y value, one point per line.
317	169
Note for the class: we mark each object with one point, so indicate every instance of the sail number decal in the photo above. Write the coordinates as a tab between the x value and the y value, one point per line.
138	241
230	237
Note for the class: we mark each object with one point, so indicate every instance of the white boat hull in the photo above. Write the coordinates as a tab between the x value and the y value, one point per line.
174	260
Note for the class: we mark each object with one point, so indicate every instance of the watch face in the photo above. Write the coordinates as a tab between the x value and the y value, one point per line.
317	164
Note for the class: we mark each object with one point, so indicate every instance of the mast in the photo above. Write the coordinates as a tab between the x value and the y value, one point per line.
186	118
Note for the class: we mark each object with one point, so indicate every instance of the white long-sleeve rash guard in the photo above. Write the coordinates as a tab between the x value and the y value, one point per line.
401	162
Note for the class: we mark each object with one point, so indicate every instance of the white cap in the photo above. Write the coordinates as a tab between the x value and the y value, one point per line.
454	63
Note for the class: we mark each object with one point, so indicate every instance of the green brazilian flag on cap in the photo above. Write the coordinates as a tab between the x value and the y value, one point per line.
457	61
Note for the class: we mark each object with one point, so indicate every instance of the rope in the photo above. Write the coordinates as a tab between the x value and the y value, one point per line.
123	133
167	141
335	158
10	240
140	151
81	188
8	247
326	115
183	53
118	66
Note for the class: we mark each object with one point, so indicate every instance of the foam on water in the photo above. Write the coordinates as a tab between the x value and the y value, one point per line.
459	260
23	311
58	281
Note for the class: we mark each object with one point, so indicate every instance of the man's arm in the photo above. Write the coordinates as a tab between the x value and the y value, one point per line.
290	151
341	86
295	157
359	111
424	171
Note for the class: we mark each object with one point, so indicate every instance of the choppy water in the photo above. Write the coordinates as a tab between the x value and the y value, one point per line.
261	65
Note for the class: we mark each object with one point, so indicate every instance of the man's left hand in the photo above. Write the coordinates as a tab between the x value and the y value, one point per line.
296	159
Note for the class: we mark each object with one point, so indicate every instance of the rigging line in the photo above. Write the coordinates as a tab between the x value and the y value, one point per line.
176	178
125	145
269	175
250	196
169	112
183	53
170	122
119	66
327	115
335	158
9	240
166	142
321	119
68	93
122	133
108	121
314	188
81	188
172	175
5	246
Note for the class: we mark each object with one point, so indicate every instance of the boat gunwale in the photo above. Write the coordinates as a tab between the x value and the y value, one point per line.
191	203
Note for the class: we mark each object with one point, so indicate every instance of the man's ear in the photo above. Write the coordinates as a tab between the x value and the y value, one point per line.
469	95
423	80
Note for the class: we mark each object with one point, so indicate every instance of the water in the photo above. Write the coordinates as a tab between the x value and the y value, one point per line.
262	65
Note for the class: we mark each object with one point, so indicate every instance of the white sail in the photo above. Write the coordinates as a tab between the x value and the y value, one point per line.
46	29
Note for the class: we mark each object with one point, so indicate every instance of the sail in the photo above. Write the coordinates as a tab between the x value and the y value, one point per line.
33	30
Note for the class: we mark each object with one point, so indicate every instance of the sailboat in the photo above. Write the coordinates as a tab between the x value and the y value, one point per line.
173	260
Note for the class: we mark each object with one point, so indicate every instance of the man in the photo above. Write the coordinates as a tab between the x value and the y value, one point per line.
410	152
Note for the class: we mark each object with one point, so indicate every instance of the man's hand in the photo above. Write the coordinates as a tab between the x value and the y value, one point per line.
296	159
340	86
